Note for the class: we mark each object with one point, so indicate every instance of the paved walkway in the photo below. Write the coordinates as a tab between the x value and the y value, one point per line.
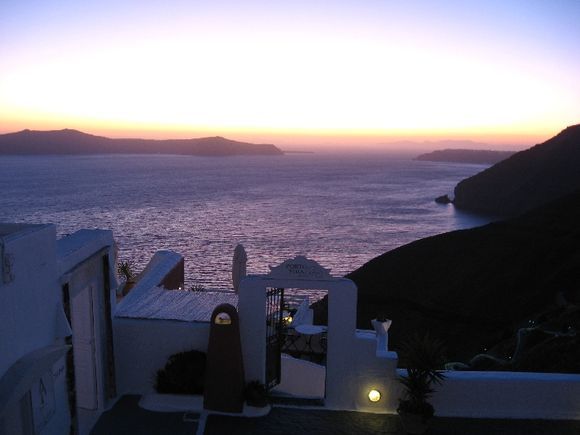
127	418
286	421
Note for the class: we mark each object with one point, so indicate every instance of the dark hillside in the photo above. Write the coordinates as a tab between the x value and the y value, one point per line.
475	288
527	179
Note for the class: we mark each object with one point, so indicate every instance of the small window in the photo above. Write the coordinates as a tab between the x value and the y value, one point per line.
223	319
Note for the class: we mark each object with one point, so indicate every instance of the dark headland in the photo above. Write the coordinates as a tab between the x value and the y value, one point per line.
30	142
525	180
477	288
483	157
504	296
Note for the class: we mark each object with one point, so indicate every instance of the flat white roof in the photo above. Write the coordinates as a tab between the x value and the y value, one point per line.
187	306
77	247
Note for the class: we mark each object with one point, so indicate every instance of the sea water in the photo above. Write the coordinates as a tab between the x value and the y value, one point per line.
340	210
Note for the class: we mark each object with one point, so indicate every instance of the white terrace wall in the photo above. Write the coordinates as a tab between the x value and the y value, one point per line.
376	369
30	319
509	395
468	394
142	346
355	363
30	297
359	361
91	297
341	331
464	394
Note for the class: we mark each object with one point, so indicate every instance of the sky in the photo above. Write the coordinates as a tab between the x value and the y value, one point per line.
294	73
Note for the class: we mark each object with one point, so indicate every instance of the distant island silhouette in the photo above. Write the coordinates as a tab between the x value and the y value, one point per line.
67	141
466	156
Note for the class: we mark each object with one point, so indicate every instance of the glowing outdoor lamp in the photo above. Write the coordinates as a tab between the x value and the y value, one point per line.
374	395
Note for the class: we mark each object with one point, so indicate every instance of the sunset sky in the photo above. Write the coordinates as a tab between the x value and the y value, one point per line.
293	73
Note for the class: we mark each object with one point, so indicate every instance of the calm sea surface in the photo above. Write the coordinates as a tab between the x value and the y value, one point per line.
339	210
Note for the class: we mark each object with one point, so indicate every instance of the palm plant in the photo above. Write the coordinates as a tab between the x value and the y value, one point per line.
424	358
126	273
125	270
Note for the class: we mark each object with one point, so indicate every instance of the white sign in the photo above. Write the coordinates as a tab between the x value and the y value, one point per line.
300	267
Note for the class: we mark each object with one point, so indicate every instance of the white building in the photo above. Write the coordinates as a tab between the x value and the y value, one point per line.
56	299
67	352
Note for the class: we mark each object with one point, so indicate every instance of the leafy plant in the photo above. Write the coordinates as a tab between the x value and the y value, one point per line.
184	373
125	270
197	288
424	357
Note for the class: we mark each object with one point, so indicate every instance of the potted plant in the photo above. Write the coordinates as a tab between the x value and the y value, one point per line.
256	394
424	358
125	271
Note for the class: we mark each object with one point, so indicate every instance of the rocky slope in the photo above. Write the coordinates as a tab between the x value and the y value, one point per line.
526	179
29	142
476	289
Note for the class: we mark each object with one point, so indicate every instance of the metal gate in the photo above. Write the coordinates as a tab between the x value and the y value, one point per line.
274	323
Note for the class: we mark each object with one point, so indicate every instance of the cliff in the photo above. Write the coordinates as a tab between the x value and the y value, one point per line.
475	288
485	157
29	142
483	288
525	180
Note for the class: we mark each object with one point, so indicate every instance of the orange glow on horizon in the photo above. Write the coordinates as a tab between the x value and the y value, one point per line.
353	74
303	139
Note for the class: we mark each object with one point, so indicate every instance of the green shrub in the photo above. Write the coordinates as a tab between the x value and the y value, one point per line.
184	373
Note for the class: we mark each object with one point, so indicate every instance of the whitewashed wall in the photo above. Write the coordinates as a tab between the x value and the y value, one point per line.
465	394
355	361
376	369
142	346
359	361
509	395
301	378
29	301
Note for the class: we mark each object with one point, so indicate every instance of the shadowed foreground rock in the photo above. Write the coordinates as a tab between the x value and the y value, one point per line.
477	288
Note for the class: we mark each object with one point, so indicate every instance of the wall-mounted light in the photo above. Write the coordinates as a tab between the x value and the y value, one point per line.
374	395
223	319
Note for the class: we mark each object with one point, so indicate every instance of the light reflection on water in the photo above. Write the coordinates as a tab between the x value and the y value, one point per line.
338	210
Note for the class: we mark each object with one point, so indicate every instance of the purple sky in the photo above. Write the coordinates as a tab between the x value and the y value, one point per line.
300	72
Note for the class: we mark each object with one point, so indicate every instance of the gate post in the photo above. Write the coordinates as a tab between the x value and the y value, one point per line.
341	353
252	313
